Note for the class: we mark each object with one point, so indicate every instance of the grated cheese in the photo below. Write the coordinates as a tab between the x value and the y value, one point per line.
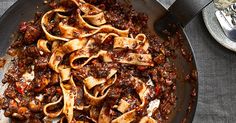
152	106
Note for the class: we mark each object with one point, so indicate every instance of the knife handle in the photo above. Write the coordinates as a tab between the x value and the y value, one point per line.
186	10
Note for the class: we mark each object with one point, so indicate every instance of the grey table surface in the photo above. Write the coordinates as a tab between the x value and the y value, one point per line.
216	67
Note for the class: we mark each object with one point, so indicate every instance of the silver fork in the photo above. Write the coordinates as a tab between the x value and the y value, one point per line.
227	20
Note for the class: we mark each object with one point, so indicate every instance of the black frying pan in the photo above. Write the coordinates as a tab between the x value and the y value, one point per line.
179	14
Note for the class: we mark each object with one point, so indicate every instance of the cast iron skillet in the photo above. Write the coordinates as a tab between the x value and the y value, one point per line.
180	13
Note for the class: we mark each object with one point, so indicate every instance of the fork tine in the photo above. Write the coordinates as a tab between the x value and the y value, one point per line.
227	20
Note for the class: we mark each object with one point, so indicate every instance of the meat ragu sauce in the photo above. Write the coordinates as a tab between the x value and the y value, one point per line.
136	91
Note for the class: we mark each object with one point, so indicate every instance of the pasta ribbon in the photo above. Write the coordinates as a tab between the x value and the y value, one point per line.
54	114
147	120
45	22
137	59
139	42
127	117
42	45
69	93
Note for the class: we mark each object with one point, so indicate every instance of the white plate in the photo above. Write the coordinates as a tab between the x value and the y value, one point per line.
215	29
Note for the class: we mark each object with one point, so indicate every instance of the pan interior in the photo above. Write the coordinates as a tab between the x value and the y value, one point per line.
20	12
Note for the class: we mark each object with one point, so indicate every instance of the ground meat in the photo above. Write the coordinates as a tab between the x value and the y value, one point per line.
50	92
32	34
115	94
40	83
100	70
7	113
10	92
35	105
2	62
23	27
12	52
4	103
120	17
8	78
32	51
13	107
54	78
41	63
35	121
160	59
23	103
23	113
20	87
81	73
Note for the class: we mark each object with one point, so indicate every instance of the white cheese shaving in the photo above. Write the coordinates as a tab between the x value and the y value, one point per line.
28	76
41	52
152	106
39	97
150	82
17	100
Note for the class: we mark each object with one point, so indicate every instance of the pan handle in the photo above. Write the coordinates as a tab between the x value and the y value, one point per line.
186	10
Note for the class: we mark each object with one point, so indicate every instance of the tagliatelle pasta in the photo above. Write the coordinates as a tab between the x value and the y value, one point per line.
54	114
42	44
69	95
86	69
78	46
